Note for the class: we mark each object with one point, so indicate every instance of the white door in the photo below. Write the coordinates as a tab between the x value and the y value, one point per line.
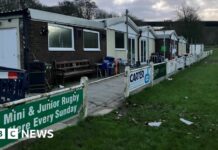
8	48
132	52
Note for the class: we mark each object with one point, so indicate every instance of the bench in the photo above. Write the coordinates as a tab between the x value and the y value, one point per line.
67	69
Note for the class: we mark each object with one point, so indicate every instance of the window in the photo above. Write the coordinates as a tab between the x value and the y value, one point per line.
60	38
91	40
143	51
119	41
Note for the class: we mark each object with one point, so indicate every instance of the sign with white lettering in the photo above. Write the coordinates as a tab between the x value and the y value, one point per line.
41	113
139	78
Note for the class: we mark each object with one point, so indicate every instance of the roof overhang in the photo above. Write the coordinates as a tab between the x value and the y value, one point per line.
118	20
56	18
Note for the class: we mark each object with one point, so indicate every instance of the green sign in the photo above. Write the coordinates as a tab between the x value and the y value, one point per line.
160	71
163	49
41	113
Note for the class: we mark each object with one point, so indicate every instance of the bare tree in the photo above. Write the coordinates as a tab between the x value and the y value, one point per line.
189	24
68	8
188	13
7	5
102	14
86	8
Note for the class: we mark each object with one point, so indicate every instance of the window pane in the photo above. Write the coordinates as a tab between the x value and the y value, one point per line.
142	51
129	49
90	40
133	51
119	40
133	46
60	37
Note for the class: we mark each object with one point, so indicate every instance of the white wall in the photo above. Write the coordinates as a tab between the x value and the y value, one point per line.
151	46
111	50
150	43
182	48
196	49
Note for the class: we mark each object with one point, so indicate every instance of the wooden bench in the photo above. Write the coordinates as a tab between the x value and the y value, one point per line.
67	69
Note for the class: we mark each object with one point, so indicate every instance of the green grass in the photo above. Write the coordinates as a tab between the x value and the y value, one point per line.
164	102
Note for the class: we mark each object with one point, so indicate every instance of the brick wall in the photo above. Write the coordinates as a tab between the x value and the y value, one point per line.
39	46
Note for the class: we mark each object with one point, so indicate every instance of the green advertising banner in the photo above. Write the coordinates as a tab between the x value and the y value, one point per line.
160	71
41	113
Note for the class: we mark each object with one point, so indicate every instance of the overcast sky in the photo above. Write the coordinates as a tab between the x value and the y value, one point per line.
155	9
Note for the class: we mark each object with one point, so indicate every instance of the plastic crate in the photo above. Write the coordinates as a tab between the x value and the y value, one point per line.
12	89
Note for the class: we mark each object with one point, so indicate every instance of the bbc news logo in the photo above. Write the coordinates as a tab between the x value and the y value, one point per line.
13	134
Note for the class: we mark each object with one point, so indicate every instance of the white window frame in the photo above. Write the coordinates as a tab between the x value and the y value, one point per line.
91	49
56	49
133	37
120	49
146	42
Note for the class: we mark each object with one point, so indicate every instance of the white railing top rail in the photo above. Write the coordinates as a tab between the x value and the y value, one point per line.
136	69
32	98
159	63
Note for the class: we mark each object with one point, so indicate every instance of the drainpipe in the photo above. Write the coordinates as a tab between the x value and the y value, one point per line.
138	63
164	45
127	37
148	41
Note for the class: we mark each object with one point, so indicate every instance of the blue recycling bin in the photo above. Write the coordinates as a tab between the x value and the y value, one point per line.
12	89
108	65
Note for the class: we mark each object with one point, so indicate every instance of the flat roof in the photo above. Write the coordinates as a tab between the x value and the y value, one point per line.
165	34
51	17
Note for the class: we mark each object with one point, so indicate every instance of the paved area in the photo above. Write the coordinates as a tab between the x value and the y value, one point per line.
105	95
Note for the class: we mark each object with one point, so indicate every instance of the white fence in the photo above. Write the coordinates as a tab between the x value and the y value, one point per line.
171	66
180	63
144	77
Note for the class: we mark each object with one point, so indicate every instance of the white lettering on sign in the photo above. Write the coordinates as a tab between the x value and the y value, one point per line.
43	120
70	100
14	116
48	106
69	110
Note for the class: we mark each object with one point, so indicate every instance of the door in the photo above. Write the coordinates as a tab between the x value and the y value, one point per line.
131	46
8	48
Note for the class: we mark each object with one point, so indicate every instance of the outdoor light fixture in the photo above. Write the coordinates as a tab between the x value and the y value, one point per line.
43	30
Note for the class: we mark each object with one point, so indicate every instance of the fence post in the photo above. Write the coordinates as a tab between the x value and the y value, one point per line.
152	73
84	82
183	62
166	60
127	74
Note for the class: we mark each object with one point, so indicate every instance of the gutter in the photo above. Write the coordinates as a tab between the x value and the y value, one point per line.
138	63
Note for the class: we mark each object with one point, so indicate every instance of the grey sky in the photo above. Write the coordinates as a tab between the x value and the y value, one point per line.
155	9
